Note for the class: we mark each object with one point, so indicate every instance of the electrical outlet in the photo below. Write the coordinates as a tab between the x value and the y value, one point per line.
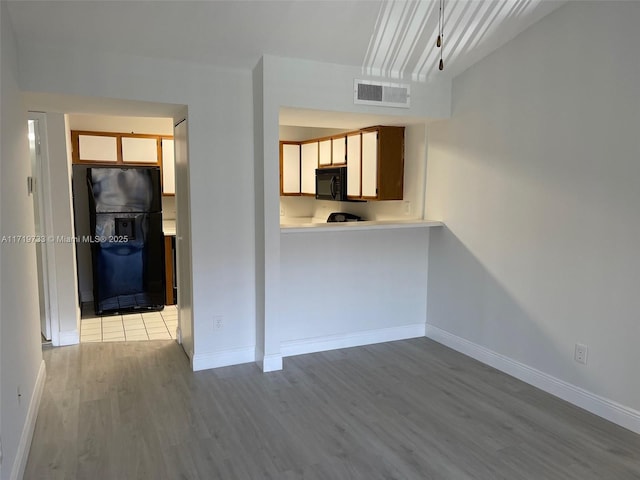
281	211
218	322
407	208
580	354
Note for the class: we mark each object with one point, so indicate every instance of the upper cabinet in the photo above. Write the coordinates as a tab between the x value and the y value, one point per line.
289	169
374	158
382	163
298	163
309	163
168	167
95	148
354	165
339	150
140	150
369	164
324	159
111	148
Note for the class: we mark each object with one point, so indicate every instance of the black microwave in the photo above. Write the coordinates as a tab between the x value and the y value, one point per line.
331	183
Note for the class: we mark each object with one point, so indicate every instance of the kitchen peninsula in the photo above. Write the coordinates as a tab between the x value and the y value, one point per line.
357	226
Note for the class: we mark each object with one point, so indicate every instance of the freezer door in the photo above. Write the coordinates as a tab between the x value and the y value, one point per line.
129	189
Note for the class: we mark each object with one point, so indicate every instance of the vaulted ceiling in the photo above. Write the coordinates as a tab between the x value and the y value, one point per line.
391	39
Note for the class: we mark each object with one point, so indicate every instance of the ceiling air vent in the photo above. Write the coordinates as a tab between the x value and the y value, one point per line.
383	94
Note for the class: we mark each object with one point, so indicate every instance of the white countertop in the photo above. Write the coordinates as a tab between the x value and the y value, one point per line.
169	227
352	226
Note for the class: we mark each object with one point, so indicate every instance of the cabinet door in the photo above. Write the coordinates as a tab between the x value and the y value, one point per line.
97	148
325	153
370	164
309	164
168	167
339	151
139	150
290	169
353	166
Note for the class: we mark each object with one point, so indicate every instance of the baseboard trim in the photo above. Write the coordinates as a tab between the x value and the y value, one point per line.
70	337
223	358
271	363
622	415
24	446
357	339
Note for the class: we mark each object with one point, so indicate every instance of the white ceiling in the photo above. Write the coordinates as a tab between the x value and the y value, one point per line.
393	38
388	38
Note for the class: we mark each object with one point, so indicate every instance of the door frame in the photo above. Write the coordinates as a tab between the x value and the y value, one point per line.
47	269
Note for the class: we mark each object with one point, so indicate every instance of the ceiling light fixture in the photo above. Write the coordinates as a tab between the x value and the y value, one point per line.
440	41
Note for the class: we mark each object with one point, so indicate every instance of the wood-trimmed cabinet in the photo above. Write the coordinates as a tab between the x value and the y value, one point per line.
171	287
354	165
298	163
167	161
374	158
289	168
382	163
116	148
308	164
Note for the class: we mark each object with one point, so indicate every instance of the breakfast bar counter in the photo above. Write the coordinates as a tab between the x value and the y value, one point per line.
310	226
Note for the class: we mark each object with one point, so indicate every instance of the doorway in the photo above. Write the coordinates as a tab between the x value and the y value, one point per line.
58	265
122	320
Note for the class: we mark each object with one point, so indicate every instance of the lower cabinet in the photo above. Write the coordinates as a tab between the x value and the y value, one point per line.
171	284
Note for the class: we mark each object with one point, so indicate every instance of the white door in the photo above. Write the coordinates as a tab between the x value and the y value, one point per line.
35	153
370	164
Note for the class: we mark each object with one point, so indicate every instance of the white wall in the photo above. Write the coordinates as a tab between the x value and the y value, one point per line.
21	363
536	177
221	240
312	85
120	123
257	78
349	284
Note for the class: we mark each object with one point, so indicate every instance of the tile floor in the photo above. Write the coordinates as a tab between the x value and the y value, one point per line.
130	327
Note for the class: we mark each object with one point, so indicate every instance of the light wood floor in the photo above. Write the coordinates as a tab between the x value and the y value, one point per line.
403	410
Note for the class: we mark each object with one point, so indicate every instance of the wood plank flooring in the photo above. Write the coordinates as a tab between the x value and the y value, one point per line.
406	410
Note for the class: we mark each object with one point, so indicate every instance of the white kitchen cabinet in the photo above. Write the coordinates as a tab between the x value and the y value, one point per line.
339	150
383	163
370	164
98	148
324	158
374	159
354	165
309	163
168	167
289	169
140	150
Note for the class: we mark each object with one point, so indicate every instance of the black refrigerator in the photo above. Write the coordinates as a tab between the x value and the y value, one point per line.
127	243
